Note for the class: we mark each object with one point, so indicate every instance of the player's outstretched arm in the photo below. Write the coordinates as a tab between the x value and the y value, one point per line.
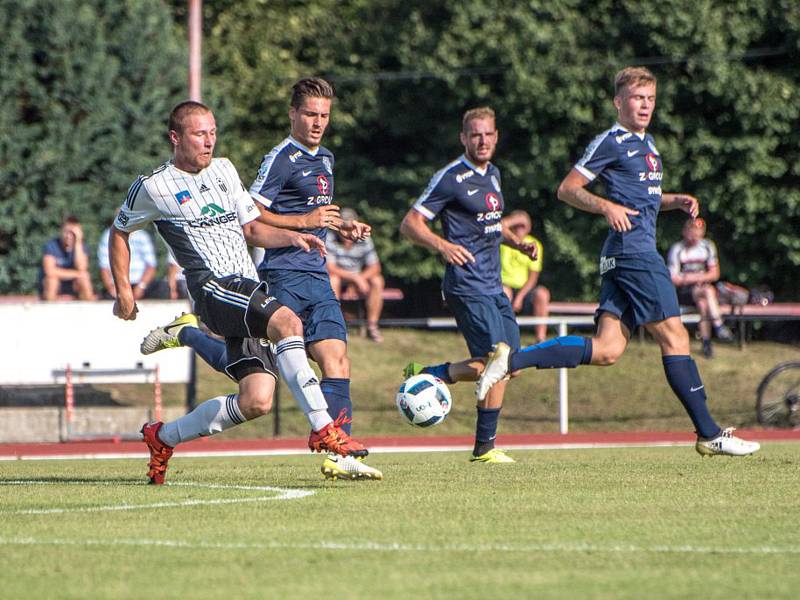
685	202
322	216
119	255
573	191
415	227
266	236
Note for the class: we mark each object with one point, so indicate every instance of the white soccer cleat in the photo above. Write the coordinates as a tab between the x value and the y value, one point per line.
496	369
162	338
348	467
726	444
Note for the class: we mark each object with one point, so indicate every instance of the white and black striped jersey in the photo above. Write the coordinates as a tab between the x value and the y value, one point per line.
199	215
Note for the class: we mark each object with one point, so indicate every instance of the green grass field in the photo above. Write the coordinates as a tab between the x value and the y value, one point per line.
631	395
613	523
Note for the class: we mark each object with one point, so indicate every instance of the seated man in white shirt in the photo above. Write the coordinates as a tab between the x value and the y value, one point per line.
356	264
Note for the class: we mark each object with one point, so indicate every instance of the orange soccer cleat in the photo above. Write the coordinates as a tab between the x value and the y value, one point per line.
332	439
160	453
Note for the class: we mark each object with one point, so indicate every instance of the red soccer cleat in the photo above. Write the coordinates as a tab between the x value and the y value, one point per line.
332	439
159	452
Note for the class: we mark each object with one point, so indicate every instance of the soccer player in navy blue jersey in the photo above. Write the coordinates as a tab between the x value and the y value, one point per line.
467	196
294	190
636	287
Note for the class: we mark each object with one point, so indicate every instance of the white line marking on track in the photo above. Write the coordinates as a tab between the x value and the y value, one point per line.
374	450
278	494
397	547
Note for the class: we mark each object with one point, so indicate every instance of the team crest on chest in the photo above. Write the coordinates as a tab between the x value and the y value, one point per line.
323	185
652	161
493	202
327	163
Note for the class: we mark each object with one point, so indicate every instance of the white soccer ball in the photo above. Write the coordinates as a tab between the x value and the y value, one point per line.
423	400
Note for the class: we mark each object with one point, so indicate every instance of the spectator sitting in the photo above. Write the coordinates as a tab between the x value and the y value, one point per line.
65	265
356	265
143	266
520	274
694	268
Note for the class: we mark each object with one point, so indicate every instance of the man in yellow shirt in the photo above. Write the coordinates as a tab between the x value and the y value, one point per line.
520	274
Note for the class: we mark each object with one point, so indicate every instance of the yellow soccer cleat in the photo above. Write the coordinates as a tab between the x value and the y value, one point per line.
162	338
495	455
348	467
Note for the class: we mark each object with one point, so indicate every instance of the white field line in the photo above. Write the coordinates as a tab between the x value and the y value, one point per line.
398	547
277	494
374	450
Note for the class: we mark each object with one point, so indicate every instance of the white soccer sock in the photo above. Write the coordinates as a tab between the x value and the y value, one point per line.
212	416
302	381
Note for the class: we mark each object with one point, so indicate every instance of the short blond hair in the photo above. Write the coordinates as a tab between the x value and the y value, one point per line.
632	76
482	112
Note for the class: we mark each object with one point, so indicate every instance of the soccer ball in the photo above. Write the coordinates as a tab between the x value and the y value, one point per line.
423	400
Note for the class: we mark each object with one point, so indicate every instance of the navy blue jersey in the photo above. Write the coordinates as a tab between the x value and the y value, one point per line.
294	180
470	205
630	166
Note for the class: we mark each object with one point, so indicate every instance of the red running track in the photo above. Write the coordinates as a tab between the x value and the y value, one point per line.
206	447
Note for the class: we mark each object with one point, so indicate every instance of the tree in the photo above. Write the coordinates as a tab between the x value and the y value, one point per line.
85	89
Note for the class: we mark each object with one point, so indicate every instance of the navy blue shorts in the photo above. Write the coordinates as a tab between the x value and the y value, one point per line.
637	289
484	321
312	299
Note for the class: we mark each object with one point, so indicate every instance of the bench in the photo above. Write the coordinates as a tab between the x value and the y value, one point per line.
351	295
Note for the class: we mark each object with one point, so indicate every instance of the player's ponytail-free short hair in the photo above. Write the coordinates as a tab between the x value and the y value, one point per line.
311	87
183	110
482	112
632	76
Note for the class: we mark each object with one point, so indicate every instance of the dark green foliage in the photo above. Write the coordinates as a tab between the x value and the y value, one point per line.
727	123
85	89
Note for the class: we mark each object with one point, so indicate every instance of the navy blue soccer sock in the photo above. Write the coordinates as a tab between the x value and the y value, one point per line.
485	430
684	379
441	371
210	349
565	351
337	395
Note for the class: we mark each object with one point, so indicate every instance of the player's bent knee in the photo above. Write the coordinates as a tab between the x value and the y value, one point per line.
255	404
284	323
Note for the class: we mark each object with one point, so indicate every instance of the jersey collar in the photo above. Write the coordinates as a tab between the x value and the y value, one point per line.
304	148
641	136
467	162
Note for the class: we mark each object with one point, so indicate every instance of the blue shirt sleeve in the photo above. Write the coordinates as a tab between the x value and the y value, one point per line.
436	196
275	170
599	154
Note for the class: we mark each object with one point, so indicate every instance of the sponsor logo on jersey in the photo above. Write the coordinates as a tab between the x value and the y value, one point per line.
183	197
212	210
495	183
204	188
322	184
464	176
472	192
623	137
221	185
493	202
213	214
122	218
307	172
295	156
327	163
632	153
652	161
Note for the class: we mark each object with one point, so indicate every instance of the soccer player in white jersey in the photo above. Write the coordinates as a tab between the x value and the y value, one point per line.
207	218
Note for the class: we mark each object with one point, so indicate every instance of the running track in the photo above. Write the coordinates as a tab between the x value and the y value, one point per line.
267	447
